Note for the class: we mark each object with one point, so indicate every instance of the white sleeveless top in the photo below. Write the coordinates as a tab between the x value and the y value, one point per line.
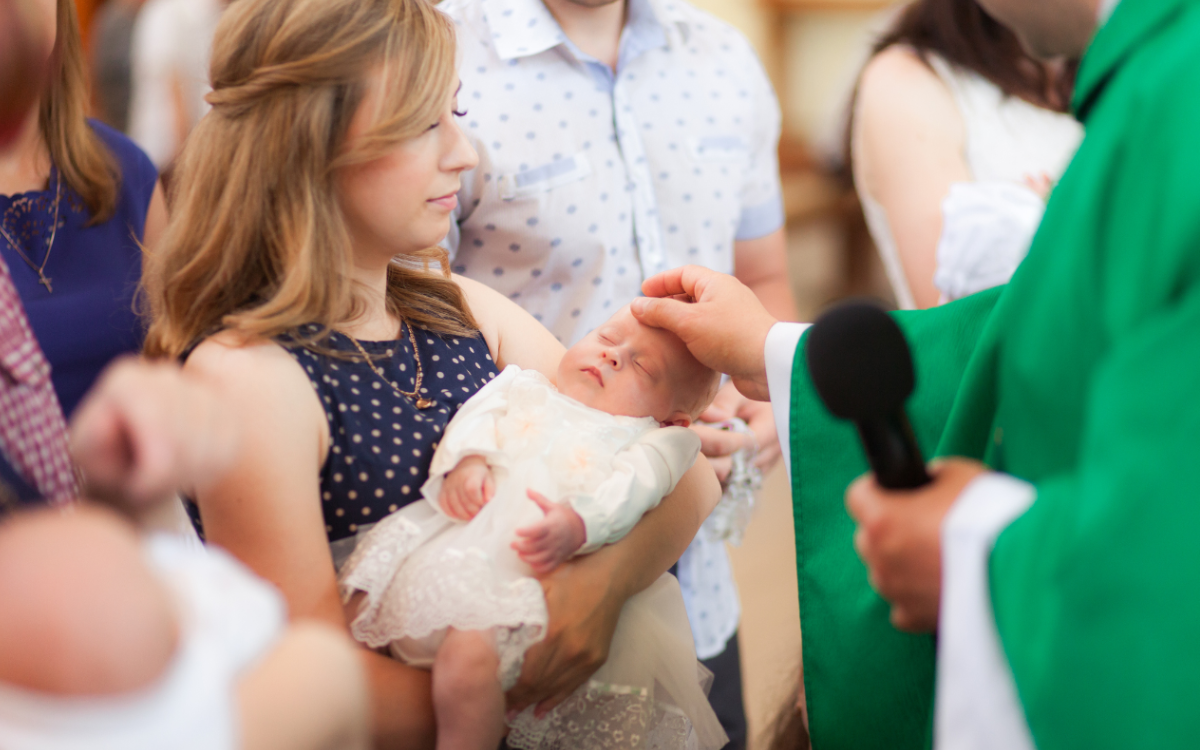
1007	138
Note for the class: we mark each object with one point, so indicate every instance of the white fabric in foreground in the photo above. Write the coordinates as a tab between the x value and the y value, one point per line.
229	619
986	231
779	353
977	705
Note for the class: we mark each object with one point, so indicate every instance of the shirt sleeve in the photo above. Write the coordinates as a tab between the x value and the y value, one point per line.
642	475
779	355
761	194
977	704
153	61
472	432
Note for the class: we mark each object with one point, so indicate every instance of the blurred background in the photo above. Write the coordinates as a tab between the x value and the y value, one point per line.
148	64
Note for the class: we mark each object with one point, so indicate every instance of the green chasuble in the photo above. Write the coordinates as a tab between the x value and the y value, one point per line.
1082	377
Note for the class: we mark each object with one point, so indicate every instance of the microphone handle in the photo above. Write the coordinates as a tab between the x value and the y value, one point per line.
893	452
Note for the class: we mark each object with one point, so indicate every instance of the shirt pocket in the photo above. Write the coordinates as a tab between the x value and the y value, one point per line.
544	178
719	148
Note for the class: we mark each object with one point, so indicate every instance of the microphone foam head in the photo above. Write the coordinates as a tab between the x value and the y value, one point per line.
859	361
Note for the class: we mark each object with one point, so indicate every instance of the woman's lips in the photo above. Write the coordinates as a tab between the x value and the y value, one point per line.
448	202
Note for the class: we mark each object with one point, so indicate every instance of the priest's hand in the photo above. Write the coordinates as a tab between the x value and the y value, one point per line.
718	317
899	538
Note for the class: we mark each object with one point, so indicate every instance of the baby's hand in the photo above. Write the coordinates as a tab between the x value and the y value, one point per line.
467	488
551	541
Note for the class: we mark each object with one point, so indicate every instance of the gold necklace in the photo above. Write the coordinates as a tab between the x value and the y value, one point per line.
43	279
420	401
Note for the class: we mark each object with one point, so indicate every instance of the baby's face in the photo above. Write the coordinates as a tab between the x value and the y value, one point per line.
629	369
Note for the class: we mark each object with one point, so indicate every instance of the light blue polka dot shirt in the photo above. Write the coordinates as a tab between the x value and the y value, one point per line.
589	181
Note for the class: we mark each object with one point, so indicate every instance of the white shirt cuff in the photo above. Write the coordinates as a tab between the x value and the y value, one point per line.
977	704
779	353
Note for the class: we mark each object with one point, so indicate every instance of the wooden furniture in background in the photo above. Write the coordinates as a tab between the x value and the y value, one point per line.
814	190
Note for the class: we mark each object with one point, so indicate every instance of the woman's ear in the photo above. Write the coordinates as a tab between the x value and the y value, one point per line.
677	419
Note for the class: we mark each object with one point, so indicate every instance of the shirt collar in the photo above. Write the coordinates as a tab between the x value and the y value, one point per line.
1131	26
522	28
1105	11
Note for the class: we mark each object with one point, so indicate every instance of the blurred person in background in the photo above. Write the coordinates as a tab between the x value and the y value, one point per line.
172	40
77	199
956	138
111	61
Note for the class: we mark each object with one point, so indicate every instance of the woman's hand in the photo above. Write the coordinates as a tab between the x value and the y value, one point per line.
584	609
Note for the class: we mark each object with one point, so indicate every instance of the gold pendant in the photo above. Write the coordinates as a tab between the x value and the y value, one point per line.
424	403
45	281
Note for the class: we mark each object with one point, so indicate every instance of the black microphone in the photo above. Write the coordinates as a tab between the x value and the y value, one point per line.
863	371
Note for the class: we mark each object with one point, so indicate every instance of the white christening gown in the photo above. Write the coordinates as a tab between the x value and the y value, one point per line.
423	572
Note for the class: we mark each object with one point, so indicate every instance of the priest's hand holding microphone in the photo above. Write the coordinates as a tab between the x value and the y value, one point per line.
899	517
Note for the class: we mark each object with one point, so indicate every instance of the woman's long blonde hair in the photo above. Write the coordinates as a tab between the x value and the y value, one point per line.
257	241
82	159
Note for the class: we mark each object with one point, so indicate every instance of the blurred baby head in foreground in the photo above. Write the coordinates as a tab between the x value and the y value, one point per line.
626	368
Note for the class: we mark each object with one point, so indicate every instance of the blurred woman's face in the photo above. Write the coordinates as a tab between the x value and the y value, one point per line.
43	20
403	201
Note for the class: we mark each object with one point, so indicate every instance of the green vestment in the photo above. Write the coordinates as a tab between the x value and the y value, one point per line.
1081	376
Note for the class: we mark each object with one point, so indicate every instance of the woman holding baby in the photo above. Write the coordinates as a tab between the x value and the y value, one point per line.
296	276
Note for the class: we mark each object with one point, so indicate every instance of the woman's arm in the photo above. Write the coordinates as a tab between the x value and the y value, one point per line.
908	144
267	512
512	334
307	693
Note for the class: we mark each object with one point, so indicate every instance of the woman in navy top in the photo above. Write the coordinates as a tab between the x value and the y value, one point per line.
76	200
306	210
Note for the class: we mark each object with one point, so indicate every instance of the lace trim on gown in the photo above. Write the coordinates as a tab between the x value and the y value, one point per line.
605	717
426	594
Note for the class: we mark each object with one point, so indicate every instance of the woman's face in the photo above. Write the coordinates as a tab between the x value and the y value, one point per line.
402	202
43	20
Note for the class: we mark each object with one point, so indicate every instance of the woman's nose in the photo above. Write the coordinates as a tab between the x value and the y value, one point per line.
462	155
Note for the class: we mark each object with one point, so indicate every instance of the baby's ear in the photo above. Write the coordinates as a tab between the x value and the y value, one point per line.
678	419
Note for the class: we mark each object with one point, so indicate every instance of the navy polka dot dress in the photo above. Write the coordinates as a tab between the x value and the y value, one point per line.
381	443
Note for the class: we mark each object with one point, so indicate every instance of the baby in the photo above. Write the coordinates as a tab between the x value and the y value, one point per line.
525	477
118	637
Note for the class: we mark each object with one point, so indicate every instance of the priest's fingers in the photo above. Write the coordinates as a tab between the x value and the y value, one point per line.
677	281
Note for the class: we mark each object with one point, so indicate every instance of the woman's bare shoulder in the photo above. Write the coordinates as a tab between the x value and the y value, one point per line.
238	364
904	112
898	84
511	333
265	384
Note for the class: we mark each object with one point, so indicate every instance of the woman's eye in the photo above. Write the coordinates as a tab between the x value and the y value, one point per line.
456	113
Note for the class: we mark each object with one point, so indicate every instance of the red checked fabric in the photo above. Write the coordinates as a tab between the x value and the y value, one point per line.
33	433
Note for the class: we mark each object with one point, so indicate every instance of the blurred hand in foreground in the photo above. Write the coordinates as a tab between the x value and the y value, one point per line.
147	430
